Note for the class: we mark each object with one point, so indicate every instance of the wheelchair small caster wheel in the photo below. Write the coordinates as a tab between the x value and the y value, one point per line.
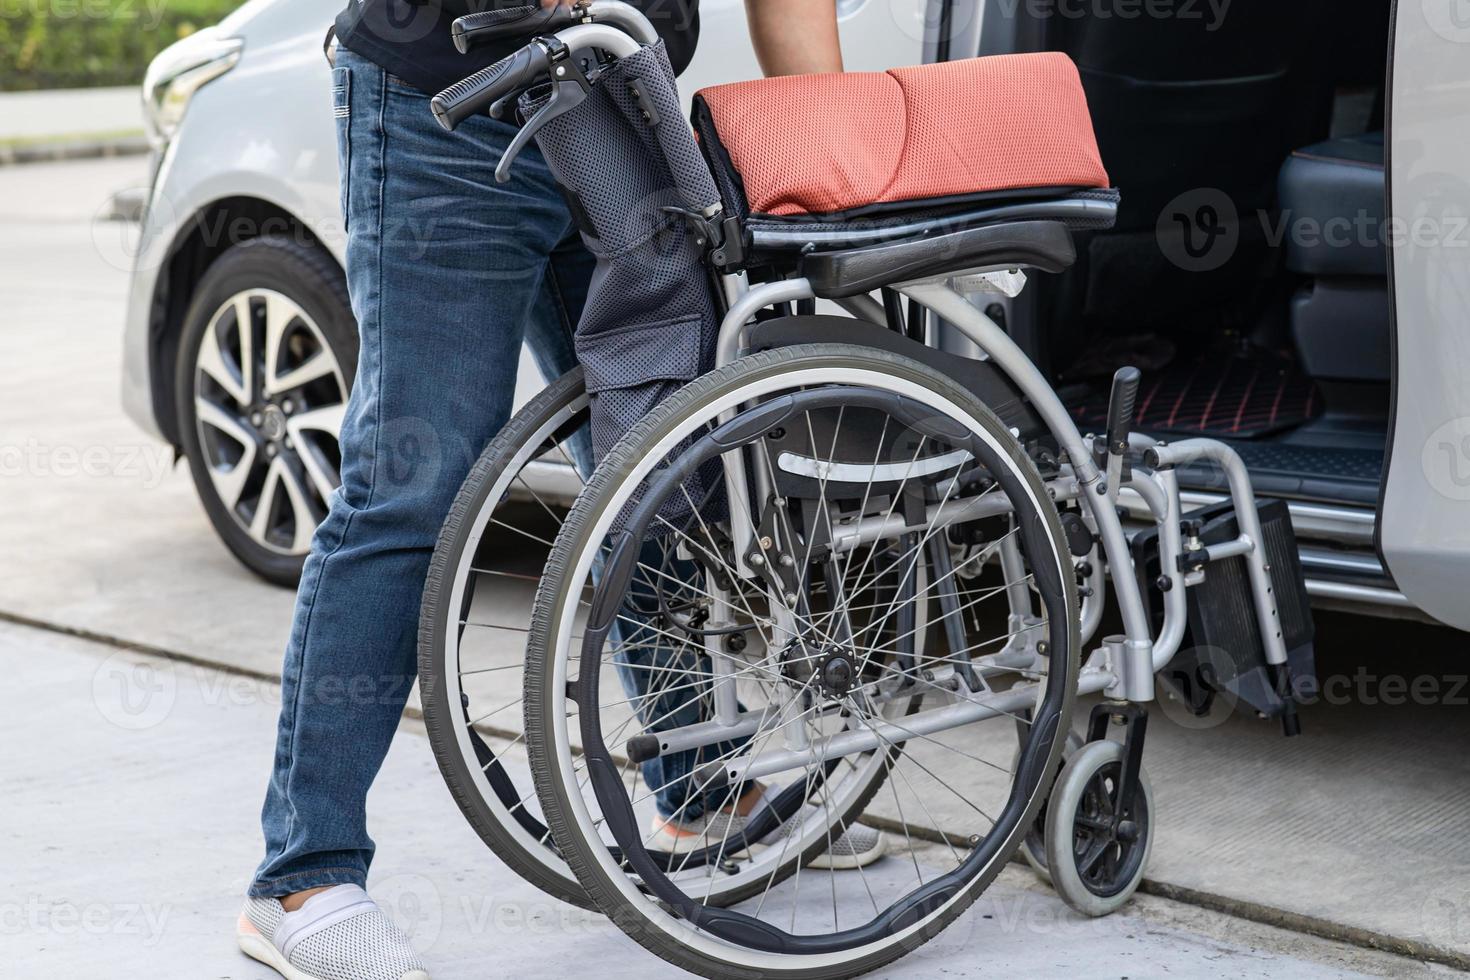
1095	860
1033	848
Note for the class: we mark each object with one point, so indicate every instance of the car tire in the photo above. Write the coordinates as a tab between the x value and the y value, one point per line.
261	438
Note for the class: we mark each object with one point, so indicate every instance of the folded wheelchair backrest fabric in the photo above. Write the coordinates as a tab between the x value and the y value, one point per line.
818	144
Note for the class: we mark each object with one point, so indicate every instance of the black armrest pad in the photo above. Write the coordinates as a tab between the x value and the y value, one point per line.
1044	245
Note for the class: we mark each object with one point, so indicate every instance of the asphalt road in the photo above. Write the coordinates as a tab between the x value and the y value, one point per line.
128	843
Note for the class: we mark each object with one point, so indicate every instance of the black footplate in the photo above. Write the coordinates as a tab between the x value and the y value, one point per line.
1222	653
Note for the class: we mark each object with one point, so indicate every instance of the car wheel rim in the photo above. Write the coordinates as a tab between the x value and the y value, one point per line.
269	398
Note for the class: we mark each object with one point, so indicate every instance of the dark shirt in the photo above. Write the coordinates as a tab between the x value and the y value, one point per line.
410	38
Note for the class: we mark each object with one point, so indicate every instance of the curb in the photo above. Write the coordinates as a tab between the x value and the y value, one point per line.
48	152
1237	908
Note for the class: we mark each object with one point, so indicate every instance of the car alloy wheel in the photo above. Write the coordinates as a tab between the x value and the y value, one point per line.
269	398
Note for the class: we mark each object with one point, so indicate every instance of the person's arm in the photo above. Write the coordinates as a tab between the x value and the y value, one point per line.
795	37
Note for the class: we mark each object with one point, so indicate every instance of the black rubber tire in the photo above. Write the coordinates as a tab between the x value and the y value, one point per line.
1076	774
1034	848
442	718
310	277
539	666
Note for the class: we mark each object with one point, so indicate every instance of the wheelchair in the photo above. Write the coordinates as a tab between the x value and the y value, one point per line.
815	555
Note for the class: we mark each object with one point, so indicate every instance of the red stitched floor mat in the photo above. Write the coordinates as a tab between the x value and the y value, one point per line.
1217	396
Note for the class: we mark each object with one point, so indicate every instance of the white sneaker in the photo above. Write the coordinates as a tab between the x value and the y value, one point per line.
684	836
338	934
856	847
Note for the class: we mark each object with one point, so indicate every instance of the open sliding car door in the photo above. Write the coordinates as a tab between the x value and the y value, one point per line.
1424	509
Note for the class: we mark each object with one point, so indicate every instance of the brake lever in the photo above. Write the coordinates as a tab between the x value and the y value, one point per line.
569	89
498	107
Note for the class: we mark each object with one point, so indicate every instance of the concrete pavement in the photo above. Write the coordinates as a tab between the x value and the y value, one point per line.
1360	828
132	793
112	534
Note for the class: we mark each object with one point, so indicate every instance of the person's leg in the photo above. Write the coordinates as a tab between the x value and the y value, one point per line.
665	679
646	659
553	321
444	266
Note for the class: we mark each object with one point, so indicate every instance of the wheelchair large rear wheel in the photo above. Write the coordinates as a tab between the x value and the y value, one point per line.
865	467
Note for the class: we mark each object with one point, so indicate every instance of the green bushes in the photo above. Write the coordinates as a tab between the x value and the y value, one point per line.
84	43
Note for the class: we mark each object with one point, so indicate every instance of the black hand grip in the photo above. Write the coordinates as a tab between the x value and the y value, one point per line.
471	95
514	23
1120	408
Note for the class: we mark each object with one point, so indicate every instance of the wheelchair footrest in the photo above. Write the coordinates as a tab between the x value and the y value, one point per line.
1223	654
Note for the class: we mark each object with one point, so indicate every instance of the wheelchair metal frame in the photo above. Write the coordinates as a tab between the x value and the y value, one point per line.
1120	667
1123	666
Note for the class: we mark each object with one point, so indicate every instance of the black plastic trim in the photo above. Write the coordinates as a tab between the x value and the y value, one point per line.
1044	245
1393	308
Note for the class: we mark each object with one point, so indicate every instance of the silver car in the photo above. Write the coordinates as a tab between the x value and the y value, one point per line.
1291	265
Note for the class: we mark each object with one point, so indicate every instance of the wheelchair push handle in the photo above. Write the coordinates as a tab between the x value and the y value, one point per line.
510	23
489	85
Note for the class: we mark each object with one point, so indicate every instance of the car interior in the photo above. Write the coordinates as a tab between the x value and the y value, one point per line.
1278	340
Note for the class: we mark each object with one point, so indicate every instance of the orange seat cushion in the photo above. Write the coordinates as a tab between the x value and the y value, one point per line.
815	144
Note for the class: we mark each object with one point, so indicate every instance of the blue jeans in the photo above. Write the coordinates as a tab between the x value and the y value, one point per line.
448	272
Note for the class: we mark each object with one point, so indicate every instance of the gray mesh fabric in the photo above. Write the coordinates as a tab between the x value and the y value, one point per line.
854	841
850	840
264	914
650	321
364	947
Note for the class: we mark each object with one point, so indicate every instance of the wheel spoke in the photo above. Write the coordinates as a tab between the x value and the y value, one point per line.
326	419
1096	849
211	361
318	365
323	475
265	505
229	481
304	517
245	332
